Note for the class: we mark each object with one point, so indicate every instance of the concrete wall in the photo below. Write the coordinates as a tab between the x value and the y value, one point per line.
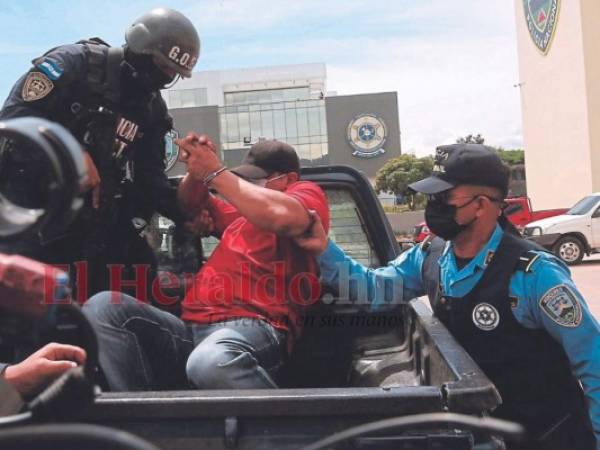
341	110
558	93
590	16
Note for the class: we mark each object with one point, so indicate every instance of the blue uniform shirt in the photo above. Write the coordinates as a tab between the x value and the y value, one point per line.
401	280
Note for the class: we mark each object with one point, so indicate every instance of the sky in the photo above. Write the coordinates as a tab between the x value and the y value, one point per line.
453	63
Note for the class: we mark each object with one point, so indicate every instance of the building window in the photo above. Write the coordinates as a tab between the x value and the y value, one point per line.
187	98
301	124
267	96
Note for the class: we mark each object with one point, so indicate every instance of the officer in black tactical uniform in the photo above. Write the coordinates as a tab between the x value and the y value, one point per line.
109	98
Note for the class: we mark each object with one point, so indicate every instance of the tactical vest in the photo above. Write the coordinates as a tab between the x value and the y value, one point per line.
529	368
110	121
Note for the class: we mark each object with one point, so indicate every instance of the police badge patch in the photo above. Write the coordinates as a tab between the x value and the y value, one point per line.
541	17
486	317
171	149
562	306
36	86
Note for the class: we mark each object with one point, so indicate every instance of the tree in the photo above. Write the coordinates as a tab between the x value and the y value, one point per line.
471	139
512	157
398	173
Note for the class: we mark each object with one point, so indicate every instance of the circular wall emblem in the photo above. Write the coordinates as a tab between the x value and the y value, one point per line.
367	134
171	150
486	317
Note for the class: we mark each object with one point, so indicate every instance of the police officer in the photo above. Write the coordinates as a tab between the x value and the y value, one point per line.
511	305
109	98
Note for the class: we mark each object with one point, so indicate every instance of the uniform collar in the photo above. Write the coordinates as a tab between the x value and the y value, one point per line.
479	262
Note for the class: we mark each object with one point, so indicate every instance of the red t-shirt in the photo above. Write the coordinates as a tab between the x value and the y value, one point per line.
256	273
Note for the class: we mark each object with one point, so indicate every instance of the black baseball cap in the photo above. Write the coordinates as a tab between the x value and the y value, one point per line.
458	164
267	157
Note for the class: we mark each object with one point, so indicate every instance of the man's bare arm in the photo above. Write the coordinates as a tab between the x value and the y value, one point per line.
266	208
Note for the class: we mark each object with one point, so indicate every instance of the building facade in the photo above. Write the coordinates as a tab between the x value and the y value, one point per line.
559	65
237	108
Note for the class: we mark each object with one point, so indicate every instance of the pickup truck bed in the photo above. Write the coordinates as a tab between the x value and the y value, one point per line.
350	366
426	372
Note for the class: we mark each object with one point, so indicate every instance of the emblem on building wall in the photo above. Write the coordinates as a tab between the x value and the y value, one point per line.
367	134
171	150
541	17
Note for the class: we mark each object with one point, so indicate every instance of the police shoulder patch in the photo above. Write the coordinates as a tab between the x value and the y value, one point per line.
50	68
561	305
36	86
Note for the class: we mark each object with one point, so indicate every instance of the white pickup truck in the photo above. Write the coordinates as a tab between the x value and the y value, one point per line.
573	234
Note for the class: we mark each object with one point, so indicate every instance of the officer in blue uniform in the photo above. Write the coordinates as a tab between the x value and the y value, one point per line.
510	304
109	98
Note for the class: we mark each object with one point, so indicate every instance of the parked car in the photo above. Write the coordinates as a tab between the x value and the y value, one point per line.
518	210
573	234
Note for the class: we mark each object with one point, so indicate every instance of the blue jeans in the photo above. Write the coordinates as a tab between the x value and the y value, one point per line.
145	348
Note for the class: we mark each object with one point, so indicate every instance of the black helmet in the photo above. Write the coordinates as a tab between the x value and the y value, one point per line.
169	36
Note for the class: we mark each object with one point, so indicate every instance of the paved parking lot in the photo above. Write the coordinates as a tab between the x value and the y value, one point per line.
587	279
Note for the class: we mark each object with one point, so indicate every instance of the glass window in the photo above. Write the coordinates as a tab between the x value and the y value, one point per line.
264	97
314	122
279	124
513	209
315	151
267	124
291	125
244	122
289	94
175	99
233	132
323	116
584	205
303	151
277	95
187	98
201	96
346	228
302	118
252	97
255	127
